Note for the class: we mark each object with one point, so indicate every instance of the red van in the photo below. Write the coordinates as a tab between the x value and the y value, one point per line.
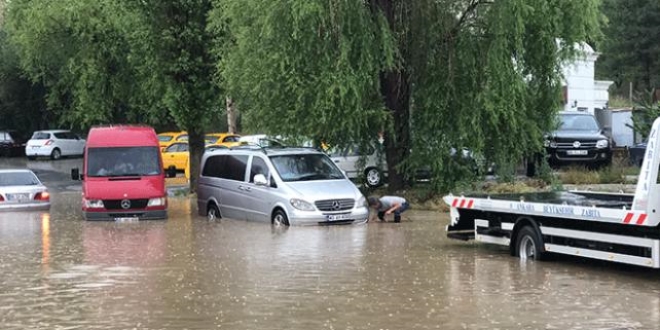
122	177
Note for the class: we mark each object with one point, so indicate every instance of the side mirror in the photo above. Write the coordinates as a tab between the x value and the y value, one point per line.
260	180
171	172
75	174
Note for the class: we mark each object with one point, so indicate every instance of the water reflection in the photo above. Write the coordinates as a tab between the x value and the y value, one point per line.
57	271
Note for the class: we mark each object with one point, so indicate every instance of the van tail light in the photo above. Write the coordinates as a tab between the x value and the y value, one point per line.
2	199
49	142
42	196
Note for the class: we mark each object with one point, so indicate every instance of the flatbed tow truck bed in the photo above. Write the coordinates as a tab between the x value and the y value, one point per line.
617	227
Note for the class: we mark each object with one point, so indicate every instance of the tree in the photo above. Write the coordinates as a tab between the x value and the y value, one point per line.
78	50
22	103
116	62
631	47
433	74
644	114
177	67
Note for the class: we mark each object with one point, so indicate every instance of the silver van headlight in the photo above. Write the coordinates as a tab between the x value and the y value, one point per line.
361	202
302	205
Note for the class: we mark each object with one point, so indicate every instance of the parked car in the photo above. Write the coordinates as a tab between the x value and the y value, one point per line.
167	138
636	153
222	139
283	186
54	144
175	156
12	143
20	189
578	139
364	162
261	140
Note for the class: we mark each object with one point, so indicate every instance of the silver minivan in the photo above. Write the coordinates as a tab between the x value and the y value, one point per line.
284	186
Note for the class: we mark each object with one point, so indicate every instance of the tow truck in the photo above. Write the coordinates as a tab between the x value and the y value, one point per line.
615	227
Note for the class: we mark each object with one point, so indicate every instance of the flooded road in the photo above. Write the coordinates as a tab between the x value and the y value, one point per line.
60	272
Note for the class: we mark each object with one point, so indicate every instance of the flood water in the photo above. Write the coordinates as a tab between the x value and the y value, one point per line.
60	272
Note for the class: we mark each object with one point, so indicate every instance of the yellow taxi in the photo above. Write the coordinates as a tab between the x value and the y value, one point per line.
175	156
165	139
222	139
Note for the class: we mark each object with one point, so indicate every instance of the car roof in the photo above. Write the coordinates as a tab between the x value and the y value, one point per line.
575	113
173	133
122	136
53	131
279	151
17	170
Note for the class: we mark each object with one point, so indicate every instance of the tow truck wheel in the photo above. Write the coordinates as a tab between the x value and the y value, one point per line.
529	245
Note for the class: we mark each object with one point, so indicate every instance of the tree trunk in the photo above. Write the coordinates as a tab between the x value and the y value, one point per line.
196	149
395	89
232	115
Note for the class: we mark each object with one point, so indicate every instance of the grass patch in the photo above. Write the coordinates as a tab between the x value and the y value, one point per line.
579	175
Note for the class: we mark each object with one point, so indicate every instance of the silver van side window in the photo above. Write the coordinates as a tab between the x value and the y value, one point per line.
214	166
258	167
235	167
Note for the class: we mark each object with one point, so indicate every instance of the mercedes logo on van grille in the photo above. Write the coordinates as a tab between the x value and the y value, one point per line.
125	204
336	205
576	144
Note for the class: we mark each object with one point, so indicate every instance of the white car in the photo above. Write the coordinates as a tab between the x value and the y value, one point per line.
21	190
261	140
356	163
54	144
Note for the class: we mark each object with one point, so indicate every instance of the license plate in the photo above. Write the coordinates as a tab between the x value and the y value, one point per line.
335	217
127	219
17	197
576	152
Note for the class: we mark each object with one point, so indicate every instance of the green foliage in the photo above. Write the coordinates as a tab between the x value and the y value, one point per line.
22	103
644	114
631	50
306	68
77	50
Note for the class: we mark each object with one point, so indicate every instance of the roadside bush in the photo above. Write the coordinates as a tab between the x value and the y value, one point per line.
615	173
579	175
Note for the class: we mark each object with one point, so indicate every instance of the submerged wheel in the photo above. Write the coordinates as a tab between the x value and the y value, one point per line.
212	213
56	154
280	218
373	177
529	245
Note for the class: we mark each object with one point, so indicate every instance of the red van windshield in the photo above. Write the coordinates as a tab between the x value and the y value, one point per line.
123	161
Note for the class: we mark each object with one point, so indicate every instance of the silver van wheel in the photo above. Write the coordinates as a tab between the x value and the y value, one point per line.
213	213
280	219
373	177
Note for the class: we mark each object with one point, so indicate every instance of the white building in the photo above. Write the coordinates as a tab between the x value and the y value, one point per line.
581	91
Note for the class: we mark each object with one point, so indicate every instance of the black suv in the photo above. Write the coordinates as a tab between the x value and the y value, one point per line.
579	139
11	143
